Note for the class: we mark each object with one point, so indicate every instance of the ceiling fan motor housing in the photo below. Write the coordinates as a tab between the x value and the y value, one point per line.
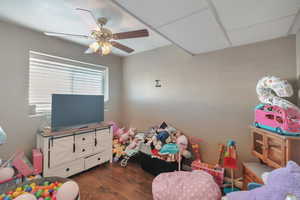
103	34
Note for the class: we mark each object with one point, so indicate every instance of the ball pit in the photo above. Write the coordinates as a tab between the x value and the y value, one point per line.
42	189
45	191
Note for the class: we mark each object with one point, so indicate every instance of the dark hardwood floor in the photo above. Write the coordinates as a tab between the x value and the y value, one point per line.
113	182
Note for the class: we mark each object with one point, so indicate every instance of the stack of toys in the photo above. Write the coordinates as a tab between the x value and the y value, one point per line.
275	113
18	168
121	139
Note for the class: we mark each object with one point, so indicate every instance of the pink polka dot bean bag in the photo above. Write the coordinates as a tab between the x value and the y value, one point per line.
180	185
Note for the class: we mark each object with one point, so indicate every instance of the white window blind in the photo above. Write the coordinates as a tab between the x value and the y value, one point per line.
54	75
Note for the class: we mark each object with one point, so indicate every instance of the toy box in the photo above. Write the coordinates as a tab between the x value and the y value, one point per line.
277	119
22	164
216	172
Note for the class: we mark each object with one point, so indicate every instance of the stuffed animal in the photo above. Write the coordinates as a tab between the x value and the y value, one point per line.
129	135
119	132
118	150
182	143
281	184
135	142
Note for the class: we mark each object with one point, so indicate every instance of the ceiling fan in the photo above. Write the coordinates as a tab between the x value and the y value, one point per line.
104	38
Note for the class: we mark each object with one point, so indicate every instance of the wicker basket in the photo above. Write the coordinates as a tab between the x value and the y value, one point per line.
40	181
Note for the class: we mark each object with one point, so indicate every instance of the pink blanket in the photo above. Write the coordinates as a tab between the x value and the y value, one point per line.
180	185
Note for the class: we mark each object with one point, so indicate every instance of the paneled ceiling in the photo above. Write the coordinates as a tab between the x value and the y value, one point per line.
196	26
200	26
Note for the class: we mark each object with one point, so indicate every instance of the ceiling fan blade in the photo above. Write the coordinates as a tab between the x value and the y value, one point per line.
122	47
65	34
131	34
91	14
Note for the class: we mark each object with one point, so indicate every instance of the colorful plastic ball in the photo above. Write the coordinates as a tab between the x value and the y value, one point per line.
51	191
46	183
7	198
28	189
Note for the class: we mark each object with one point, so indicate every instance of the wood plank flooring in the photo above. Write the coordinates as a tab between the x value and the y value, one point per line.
113	182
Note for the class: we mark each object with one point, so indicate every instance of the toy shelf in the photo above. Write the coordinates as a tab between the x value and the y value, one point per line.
273	149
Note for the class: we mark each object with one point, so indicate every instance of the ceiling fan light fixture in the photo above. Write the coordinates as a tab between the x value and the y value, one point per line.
95	46
106	48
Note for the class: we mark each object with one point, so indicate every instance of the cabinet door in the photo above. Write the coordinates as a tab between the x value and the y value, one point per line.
104	140
61	150
275	152
258	145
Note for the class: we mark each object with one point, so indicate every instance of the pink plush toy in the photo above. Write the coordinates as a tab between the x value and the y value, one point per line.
127	136
117	132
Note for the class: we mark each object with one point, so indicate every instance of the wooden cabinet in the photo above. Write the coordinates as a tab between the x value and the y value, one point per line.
273	149
72	151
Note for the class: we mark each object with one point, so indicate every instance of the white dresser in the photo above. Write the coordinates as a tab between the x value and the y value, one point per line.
72	151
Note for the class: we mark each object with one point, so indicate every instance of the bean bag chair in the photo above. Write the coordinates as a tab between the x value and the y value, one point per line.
180	185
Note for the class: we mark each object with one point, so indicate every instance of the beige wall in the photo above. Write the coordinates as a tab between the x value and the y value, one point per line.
298	63
15	43
211	95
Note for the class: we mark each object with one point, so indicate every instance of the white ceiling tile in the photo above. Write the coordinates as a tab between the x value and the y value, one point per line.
261	32
159	12
197	33
235	14
61	16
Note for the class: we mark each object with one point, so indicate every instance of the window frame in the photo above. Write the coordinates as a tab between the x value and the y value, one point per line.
105	69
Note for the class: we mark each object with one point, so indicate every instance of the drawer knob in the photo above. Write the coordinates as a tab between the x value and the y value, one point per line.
99	158
83	150
83	139
68	169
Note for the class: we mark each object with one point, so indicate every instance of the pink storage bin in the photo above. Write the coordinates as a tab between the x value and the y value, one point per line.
37	159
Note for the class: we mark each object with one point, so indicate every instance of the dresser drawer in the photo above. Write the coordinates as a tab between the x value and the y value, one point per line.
66	170
97	159
85	138
82	150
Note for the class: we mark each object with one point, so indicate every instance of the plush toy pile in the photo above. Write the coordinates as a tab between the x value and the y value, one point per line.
167	143
164	142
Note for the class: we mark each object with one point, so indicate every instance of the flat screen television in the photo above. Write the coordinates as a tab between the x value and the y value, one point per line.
69	111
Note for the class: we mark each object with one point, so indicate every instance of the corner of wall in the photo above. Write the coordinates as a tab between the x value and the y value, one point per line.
298	65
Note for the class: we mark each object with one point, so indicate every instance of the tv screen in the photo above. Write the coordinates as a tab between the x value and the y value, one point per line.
76	110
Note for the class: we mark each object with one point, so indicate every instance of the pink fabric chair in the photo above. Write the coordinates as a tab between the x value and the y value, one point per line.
180	185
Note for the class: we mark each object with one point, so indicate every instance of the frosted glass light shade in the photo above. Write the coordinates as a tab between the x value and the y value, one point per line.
2	136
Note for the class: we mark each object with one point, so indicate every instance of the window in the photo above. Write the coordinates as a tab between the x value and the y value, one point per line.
55	75
279	119
270	117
